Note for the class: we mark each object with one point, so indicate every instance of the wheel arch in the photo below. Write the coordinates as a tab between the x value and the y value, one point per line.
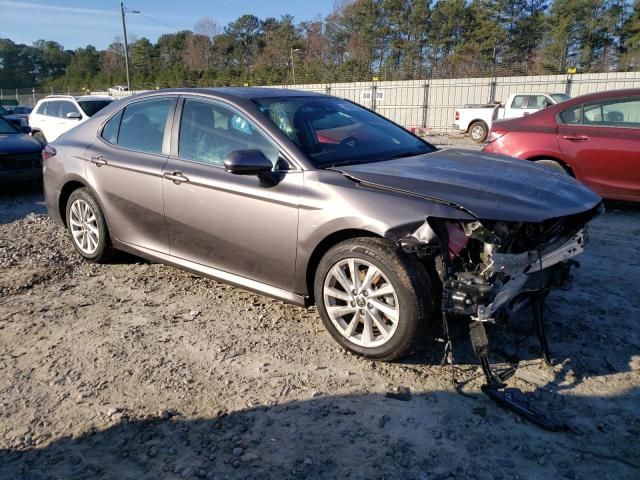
66	191
554	158
324	246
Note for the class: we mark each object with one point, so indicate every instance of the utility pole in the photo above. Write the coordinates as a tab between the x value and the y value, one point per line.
293	65
126	46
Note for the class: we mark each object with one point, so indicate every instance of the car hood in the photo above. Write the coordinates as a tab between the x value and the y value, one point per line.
490	187
18	143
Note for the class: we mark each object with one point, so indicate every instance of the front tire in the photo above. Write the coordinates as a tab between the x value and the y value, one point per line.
87	227
373	298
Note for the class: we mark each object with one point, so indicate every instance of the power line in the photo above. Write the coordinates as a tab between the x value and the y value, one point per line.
157	21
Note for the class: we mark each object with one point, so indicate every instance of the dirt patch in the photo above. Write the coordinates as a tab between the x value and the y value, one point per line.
136	370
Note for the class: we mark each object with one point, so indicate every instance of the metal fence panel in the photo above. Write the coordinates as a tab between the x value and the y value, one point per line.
430	103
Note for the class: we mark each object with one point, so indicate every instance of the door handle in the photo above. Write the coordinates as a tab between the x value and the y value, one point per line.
99	160
576	138
175	177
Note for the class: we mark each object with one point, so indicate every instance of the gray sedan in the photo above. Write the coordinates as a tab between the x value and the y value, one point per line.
310	198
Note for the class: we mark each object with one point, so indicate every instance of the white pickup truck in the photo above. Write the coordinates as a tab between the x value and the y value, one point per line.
476	120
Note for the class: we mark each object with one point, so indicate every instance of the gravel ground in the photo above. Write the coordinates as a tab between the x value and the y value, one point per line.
135	370
447	140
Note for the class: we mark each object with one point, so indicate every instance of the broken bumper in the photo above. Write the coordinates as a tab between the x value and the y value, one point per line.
481	295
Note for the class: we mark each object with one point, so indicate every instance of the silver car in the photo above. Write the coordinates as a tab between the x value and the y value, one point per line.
310	198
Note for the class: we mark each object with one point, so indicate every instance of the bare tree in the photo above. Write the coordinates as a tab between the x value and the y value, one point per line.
206	30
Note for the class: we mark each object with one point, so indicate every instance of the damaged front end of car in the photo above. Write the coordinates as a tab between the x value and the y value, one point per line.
488	270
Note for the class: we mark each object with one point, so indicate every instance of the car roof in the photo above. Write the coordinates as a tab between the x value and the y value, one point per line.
94	97
49	98
606	94
231	93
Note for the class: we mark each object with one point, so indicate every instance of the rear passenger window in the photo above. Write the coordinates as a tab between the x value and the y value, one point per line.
143	124
110	129
210	132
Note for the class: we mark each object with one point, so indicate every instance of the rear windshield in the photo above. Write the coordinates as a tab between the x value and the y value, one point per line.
335	132
6	127
91	107
560	97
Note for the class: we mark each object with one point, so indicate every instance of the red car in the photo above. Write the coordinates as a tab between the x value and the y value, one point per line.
595	138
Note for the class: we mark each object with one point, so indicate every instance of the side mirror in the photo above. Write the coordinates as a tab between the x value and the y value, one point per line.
247	162
74	115
25	128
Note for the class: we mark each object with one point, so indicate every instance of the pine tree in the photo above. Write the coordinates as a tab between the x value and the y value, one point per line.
630	33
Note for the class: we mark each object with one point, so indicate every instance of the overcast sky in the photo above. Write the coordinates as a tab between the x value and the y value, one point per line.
78	23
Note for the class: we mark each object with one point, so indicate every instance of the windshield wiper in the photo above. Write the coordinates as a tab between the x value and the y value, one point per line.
400	155
393	156
345	162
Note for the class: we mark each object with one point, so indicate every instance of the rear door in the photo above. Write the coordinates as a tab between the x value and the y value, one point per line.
603	139
125	169
240	224
49	120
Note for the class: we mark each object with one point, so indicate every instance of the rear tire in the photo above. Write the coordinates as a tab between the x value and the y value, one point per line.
553	165
382	317
478	131
87	227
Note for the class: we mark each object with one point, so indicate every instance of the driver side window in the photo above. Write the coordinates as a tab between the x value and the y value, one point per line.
66	108
209	132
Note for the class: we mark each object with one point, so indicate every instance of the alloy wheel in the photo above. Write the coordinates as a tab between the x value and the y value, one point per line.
84	227
361	302
477	132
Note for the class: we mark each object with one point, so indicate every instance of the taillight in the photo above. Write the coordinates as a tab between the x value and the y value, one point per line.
457	115
496	133
47	152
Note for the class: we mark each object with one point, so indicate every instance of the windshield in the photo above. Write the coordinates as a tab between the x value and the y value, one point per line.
91	107
6	127
560	97
335	132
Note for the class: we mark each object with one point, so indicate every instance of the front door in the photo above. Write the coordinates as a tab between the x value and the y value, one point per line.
64	124
241	224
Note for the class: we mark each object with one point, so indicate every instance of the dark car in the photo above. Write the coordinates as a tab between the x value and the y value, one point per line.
16	119
20	112
594	138
311	198
20	154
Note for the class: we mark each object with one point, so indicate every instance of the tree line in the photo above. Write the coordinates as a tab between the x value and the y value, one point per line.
358	40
